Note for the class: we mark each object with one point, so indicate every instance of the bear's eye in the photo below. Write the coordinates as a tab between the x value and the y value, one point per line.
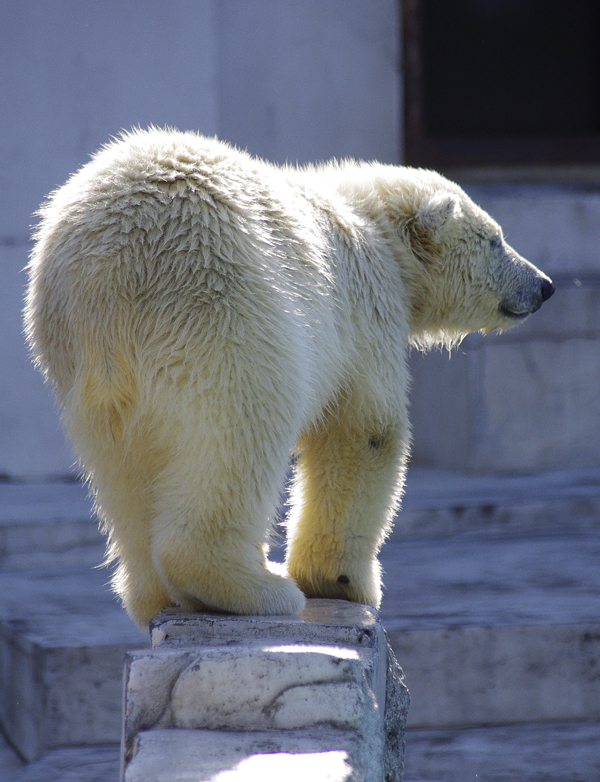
496	242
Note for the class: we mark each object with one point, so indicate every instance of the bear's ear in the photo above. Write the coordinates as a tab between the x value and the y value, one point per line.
427	227
435	215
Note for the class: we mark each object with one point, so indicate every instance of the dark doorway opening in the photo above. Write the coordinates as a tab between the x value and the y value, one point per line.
501	82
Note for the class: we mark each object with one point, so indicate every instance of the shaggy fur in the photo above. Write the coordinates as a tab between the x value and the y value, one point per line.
203	315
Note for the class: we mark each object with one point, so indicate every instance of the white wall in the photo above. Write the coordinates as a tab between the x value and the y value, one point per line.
75	72
286	79
310	80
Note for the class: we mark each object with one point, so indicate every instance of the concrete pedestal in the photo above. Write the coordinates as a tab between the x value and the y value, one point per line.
318	695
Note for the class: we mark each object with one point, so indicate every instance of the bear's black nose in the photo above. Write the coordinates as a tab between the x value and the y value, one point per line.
547	290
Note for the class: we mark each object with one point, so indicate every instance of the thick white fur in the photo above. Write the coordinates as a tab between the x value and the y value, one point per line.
202	315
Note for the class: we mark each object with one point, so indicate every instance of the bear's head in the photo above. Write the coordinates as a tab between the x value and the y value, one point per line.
461	275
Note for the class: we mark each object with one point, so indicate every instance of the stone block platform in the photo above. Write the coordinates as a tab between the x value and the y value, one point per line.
319	692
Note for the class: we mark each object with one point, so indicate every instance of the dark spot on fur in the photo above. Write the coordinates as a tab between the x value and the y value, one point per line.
375	442
343	580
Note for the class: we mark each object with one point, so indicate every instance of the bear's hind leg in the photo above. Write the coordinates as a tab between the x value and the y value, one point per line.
122	502
227	408
211	558
231	575
140	585
214	501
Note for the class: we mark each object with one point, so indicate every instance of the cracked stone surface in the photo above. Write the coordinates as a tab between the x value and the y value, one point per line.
226	674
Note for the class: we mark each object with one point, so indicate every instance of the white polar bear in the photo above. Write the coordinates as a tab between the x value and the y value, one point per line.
202	315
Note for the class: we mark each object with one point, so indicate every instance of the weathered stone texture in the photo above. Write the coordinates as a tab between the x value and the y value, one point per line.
330	669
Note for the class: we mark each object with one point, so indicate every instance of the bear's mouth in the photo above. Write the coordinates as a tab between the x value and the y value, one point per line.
507	312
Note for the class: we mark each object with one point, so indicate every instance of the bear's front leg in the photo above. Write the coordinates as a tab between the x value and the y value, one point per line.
349	478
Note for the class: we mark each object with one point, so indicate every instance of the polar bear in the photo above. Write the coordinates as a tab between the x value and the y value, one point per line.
203	315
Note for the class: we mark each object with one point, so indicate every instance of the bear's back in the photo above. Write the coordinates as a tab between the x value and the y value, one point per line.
167	243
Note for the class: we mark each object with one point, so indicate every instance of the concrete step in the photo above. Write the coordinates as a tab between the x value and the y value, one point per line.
46	525
56	518
491	603
439	502
98	763
496	629
63	635
489	630
63	639
509	753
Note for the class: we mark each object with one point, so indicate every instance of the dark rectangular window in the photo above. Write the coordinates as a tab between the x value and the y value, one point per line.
501	82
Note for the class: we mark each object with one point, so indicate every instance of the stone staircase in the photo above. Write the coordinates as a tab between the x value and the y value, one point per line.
492	605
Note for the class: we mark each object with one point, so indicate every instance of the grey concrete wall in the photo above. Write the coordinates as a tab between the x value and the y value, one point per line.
311	80
287	80
73	73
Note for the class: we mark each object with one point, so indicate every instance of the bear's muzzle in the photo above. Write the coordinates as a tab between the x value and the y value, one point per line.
528	304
